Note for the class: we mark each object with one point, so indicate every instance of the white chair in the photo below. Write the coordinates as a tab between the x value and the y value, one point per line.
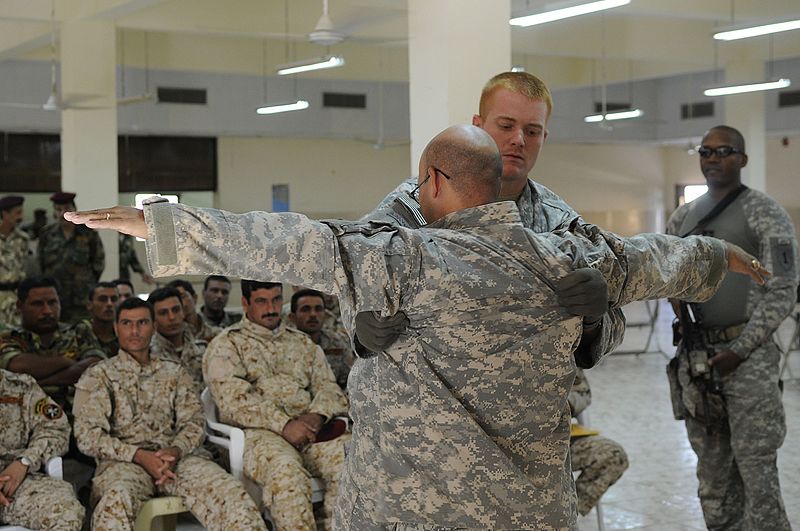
232	439
55	469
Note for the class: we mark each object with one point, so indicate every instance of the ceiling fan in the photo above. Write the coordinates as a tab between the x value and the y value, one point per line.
325	33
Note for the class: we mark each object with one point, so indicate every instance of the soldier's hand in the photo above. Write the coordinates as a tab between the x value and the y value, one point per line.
583	292
725	361
312	420
739	261
298	434
170	456
127	220
153	465
377	334
3	500
11	477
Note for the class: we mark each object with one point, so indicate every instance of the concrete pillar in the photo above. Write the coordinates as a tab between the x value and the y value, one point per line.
455	46
747	113
89	122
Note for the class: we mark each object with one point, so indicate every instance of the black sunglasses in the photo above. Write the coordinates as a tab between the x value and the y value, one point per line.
721	151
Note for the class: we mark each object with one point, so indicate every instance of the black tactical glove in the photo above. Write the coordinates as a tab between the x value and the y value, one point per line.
376	334
584	292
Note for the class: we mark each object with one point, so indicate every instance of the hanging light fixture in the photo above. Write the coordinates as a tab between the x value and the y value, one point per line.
567	12
275	108
615	115
307	65
748	87
741	31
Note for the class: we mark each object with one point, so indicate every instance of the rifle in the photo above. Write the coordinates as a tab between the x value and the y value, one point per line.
705	376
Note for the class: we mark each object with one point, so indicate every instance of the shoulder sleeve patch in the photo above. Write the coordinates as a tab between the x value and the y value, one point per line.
48	409
783	263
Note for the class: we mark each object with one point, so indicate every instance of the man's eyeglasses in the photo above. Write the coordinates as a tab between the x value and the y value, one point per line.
720	152
415	192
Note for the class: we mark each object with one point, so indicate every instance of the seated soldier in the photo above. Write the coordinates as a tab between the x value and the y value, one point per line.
141	418
216	290
173	340
197	325
124	288
308	314
35	429
55	354
103	298
601	461
275	383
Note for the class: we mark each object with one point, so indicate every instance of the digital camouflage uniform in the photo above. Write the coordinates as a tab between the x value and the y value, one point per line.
260	380
109	347
737	462
127	257
450	429
190	355
600	460
70	341
35	427
76	263
122	406
13	254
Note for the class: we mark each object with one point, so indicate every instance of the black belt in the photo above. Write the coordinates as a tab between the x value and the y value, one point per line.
9	286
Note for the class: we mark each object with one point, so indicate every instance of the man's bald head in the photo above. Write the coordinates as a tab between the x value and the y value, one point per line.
469	156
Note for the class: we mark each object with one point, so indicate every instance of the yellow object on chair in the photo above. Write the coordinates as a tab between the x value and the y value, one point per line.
166	507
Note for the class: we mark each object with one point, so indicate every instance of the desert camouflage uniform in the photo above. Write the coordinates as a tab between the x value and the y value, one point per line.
452	430
121	407
35	427
13	254
600	460
228	319
203	330
737	462
76	263
260	379
339	353
190	355
69	341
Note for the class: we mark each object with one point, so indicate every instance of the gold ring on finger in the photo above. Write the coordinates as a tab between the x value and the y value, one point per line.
108	216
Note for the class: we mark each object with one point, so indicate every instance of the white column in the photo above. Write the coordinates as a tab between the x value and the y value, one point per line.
455	46
89	136
746	112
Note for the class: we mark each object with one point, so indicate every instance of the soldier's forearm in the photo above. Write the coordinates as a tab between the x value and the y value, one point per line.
40	367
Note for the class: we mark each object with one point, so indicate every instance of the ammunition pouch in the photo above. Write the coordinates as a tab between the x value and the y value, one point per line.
690	391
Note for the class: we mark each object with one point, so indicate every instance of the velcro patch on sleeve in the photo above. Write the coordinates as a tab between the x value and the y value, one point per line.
48	409
783	263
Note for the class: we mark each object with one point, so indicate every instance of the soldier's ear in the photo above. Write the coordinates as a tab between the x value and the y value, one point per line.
292	318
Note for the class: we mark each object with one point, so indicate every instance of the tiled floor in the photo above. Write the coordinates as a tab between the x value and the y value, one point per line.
630	403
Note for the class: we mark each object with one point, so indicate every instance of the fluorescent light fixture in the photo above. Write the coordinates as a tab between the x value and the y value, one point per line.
317	63
558	14
298	105
616	115
750	87
740	32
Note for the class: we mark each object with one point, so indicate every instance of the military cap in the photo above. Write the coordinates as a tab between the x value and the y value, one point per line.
63	198
10	201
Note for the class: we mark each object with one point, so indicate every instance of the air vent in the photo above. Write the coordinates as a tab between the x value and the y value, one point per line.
344	101
611	106
188	96
789	98
703	109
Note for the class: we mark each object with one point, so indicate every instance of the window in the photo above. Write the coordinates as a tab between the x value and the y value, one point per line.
686	193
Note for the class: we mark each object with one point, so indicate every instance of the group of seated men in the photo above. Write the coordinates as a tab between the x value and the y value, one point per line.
128	382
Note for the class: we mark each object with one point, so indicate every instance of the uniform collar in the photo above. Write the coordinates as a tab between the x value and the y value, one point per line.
261	331
502	213
127	362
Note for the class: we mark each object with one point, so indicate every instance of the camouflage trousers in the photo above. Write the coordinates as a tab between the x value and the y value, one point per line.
284	475
601	462
42	502
213	496
8	309
737	463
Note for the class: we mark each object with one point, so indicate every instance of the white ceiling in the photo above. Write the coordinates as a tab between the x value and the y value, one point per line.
646	39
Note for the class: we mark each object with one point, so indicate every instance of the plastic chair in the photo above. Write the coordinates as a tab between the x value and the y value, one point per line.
55	469
159	514
232	439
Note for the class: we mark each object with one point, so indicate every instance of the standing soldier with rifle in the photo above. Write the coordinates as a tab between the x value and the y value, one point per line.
735	430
